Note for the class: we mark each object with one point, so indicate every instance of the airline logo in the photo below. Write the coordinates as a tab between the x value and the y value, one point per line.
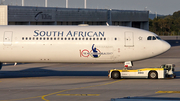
94	52
69	33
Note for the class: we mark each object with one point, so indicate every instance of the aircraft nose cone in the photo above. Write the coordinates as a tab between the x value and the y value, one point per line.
165	46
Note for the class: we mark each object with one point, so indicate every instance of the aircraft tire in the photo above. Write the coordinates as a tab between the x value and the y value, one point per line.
153	75
115	75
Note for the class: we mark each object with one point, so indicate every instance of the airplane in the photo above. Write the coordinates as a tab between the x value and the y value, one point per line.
77	44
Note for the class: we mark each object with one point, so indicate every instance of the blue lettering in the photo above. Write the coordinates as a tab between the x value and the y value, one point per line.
48	34
95	34
36	32
85	34
54	33
81	34
69	33
101	34
60	33
75	33
88	33
42	33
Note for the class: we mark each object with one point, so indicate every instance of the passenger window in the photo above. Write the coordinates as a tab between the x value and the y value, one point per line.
65	38
75	38
100	38
26	38
36	38
93	38
29	38
54	38
61	38
69	38
57	38
47	38
104	38
86	38
44	38
72	38
79	38
89	38
97	38
82	38
115	38
22	38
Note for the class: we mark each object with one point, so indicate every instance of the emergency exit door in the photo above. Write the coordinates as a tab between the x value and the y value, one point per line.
129	39
7	40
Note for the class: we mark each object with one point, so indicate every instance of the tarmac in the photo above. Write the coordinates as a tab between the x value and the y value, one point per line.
87	82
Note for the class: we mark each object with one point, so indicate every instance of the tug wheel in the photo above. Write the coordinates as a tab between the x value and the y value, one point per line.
153	75
115	75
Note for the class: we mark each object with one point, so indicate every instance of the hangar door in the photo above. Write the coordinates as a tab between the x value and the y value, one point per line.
7	40
129	39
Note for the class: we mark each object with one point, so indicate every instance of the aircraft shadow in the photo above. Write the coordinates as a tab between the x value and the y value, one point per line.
40	72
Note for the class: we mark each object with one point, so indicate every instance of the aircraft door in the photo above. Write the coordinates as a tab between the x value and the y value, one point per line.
129	39
7	40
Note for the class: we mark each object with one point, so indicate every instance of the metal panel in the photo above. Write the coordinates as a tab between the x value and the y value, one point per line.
7	38
129	39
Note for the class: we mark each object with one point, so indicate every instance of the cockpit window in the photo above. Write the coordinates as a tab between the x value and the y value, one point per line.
151	38
158	37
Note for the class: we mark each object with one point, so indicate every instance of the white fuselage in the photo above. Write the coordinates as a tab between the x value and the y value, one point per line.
77	44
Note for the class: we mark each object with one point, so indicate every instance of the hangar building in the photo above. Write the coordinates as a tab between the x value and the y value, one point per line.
25	15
